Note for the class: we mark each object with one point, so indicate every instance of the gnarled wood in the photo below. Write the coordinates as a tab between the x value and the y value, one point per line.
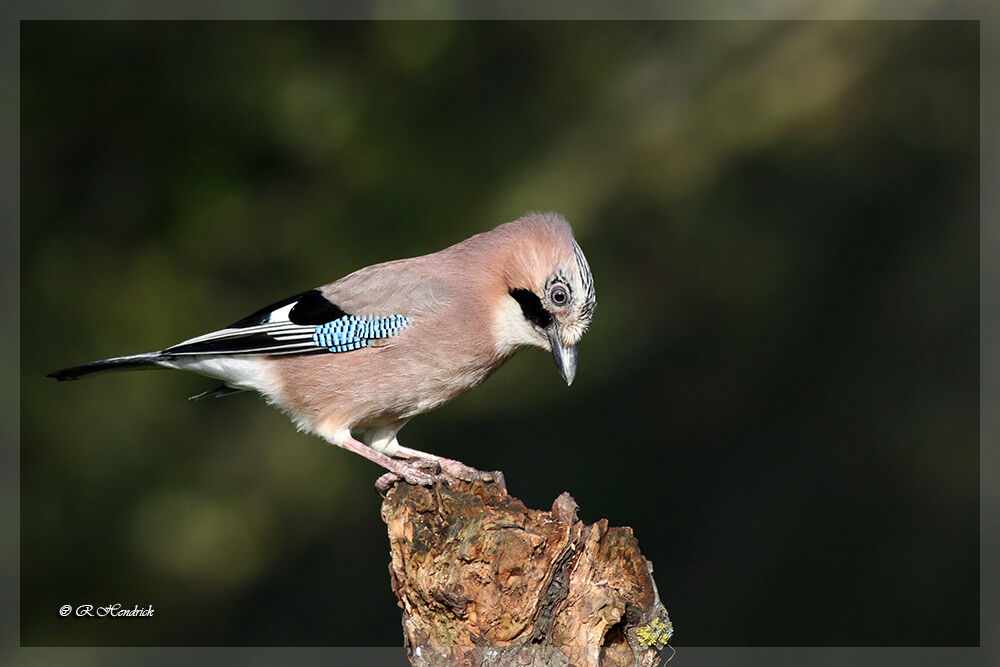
483	580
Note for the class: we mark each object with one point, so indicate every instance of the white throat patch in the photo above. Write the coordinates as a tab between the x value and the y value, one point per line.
511	330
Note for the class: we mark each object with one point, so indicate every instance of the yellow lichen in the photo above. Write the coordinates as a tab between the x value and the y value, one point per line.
656	632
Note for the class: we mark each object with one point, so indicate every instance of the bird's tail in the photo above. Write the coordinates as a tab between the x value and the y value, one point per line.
128	362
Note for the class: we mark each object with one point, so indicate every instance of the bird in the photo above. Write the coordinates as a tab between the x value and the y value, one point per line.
361	356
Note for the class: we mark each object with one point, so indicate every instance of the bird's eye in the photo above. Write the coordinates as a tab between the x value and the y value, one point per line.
558	295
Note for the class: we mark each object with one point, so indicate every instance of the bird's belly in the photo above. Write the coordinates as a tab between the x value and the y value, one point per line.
369	387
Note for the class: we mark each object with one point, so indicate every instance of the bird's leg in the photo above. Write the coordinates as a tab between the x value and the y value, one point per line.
452	467
383	439
397	469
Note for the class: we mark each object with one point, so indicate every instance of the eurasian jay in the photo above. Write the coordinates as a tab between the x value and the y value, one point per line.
370	351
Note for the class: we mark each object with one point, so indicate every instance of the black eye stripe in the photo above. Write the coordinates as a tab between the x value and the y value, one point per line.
532	307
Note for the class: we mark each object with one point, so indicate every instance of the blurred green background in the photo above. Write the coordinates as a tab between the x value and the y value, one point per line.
778	393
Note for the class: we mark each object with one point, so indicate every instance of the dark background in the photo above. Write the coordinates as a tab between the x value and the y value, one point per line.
779	391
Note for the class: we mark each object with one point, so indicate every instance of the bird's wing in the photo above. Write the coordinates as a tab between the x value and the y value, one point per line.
307	323
417	286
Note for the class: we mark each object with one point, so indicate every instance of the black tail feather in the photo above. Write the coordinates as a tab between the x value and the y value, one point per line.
130	362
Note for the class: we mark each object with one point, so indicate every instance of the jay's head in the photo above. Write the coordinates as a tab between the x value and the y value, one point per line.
550	296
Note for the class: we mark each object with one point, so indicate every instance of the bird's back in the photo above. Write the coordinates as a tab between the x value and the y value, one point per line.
446	351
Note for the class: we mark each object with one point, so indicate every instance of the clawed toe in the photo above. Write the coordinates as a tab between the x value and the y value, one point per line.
421	478
430	465
494	476
383	483
419	473
427	472
468	473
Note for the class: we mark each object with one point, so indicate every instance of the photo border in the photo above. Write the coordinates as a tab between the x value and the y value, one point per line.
988	19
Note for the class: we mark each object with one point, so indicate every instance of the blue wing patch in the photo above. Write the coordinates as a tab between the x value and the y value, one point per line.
351	332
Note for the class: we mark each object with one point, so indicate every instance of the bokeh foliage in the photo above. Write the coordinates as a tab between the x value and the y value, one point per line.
779	391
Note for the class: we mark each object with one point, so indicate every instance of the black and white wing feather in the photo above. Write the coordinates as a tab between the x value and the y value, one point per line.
285	327
307	323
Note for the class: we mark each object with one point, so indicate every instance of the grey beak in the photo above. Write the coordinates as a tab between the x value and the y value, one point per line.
565	356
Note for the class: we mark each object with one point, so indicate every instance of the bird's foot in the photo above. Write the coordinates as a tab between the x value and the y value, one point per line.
421	472
459	470
452	468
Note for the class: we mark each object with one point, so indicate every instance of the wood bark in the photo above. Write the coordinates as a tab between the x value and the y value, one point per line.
483	580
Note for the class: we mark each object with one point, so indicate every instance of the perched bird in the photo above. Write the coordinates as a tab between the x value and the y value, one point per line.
366	353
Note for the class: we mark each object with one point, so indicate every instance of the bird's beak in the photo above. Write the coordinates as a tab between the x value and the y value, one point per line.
565	356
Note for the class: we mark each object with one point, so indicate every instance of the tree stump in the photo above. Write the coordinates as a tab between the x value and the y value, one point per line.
482	580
